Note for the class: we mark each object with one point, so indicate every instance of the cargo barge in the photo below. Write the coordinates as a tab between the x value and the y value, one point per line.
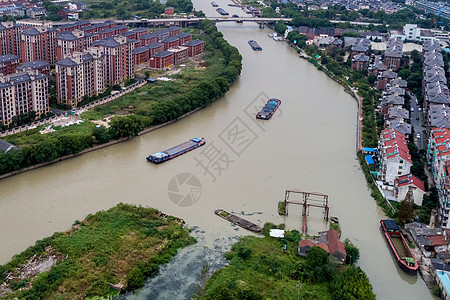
399	247
173	152
255	46
238	220
214	4
269	109
222	12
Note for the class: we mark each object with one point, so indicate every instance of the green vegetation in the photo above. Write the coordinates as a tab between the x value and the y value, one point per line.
125	10
224	214
351	284
281	208
121	246
259	268
352	252
196	86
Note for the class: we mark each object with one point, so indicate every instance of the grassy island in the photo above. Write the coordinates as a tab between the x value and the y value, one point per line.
260	268
108	252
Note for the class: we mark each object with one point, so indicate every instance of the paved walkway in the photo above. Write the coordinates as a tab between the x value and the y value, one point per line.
78	111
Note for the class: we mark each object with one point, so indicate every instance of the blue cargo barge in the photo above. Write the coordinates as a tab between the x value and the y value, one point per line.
222	12
176	151
255	46
269	109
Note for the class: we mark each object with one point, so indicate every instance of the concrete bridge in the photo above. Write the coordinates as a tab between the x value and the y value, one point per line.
191	21
187	21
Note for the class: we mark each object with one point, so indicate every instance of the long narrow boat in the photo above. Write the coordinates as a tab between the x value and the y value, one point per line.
222	12
269	109
173	152
255	46
399	247
238	220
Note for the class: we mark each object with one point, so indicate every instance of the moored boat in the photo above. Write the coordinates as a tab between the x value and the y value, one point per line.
173	152
399	247
269	109
214	4
255	46
222	12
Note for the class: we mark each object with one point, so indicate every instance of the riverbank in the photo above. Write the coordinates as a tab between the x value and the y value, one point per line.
146	109
98	147
107	252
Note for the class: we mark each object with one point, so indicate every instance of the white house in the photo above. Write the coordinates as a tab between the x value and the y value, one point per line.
406	183
395	159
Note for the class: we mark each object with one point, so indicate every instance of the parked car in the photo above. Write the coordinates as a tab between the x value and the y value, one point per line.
418	135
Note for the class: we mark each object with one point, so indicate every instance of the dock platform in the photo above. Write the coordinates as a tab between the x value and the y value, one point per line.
238	221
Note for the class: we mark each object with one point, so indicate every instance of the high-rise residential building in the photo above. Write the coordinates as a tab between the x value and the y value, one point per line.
119	58
8	63
81	74
9	38
21	93
38	43
68	42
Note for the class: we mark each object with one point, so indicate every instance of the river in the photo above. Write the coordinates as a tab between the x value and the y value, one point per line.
245	167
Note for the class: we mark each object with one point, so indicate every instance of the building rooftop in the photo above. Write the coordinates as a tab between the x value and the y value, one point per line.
38	64
401	126
409	179
5	146
170	39
163	54
7	58
193	43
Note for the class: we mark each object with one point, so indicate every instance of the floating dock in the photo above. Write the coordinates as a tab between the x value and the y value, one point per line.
238	221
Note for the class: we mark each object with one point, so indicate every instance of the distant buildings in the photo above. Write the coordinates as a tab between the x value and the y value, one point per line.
67	42
22	93
81	74
87	58
119	58
169	10
9	63
393	54
38	43
9	38
360	62
395	160
411	32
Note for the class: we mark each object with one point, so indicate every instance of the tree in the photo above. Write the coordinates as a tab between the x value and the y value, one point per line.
371	79
352	284
405	211
101	135
127	126
352	252
280	27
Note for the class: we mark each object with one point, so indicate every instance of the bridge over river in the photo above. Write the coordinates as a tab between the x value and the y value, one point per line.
190	21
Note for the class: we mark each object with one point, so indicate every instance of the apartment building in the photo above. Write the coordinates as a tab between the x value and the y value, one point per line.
21	93
9	38
38	43
119	58
68	42
81	74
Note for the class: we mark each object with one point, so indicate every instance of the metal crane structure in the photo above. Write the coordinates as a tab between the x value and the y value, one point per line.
308	199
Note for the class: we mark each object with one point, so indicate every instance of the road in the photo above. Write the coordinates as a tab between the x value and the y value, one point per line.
416	122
